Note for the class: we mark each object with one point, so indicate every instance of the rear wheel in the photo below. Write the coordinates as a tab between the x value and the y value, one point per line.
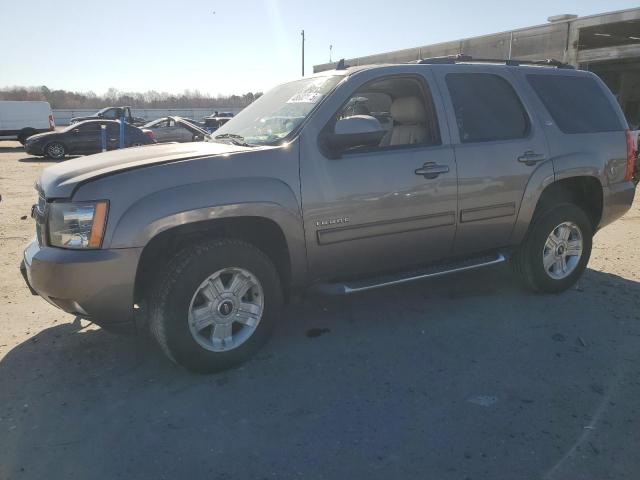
215	304
55	151
556	250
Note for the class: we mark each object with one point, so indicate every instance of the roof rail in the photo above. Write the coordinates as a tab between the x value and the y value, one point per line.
452	59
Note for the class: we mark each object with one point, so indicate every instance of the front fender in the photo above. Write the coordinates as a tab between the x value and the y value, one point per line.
241	197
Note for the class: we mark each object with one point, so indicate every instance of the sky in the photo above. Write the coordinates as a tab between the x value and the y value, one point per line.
233	46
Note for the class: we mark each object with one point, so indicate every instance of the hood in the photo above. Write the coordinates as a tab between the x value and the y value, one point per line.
40	136
60	180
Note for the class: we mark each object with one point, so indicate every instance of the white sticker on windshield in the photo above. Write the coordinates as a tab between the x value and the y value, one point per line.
305	97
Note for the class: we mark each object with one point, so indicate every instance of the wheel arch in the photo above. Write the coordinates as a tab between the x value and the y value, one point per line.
584	191
262	232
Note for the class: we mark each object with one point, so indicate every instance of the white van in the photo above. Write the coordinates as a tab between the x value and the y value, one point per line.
19	120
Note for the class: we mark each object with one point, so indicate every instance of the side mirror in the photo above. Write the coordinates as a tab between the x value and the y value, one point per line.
76	130
355	131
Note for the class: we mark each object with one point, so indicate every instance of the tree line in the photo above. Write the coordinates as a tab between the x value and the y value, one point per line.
114	97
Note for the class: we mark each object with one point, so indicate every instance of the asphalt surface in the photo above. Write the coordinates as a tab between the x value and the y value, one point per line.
464	377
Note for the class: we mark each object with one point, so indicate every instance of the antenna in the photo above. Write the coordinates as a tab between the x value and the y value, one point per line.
302	33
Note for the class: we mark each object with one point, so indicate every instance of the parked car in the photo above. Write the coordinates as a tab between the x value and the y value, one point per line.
21	119
204	242
112	113
213	123
85	138
175	129
194	122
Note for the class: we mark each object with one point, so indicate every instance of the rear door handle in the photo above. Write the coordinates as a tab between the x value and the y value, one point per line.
431	170
531	158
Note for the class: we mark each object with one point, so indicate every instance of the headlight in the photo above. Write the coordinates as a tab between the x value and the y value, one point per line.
77	224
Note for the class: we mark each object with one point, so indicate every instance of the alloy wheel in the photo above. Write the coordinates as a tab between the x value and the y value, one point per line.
225	309
562	251
55	150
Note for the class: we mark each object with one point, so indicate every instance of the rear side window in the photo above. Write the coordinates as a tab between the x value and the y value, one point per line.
486	108
576	104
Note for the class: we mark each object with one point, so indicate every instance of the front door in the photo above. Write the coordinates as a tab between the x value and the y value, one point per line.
385	207
85	138
498	146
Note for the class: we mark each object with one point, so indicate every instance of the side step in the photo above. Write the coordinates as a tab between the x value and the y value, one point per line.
355	286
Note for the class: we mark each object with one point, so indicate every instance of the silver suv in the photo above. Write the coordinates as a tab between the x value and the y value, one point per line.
345	181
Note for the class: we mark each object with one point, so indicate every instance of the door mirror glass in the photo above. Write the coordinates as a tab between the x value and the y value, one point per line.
355	131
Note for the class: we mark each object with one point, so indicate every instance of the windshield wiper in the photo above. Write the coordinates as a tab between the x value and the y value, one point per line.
235	139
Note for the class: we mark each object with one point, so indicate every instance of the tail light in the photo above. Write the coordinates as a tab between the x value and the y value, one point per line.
52	123
631	155
151	135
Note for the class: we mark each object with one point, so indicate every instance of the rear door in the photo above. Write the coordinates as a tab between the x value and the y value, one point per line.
113	135
498	145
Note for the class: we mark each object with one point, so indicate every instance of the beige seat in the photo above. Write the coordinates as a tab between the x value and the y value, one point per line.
409	121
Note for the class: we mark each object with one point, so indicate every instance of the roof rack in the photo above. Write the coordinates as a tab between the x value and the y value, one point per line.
452	59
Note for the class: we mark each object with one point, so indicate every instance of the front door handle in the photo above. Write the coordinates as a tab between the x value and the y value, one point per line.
531	158
431	170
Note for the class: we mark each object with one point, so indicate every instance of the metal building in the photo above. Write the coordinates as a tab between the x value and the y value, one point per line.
607	44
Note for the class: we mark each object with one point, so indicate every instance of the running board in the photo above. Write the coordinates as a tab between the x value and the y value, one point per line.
355	286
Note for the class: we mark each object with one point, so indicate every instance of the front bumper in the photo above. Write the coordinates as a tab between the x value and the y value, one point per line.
94	284
34	148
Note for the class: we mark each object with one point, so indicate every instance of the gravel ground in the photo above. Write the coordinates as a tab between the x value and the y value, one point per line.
466	377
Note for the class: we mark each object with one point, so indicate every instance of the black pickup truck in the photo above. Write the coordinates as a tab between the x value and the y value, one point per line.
112	113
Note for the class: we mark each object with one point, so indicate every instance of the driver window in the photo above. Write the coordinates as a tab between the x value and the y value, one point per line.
403	107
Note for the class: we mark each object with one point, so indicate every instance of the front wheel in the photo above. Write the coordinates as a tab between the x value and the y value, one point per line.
215	304
55	151
556	250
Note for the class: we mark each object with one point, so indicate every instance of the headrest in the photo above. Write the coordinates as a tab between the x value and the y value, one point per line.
408	110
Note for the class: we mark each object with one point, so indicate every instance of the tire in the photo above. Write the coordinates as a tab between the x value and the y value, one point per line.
179	292
55	151
529	260
24	134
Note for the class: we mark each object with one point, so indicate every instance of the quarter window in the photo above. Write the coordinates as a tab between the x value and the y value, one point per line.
576	104
486	108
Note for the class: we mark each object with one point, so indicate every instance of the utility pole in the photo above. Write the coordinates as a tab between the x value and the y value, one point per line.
302	33
330	52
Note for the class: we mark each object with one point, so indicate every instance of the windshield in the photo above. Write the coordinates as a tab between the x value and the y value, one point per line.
278	112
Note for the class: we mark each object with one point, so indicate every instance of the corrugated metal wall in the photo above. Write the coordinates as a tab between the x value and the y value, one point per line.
557	40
